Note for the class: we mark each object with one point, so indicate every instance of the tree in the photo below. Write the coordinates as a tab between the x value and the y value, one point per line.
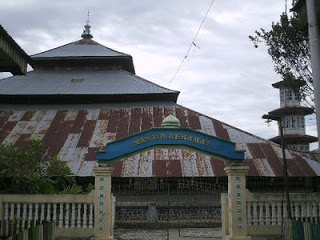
288	46
26	171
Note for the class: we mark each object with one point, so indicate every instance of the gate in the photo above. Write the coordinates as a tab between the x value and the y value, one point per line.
164	203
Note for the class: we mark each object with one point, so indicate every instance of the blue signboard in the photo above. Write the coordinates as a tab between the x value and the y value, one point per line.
169	138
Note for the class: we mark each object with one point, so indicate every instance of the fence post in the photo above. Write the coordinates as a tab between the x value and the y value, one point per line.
103	203
237	202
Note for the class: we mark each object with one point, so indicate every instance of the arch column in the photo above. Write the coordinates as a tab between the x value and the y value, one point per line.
237	203
103	226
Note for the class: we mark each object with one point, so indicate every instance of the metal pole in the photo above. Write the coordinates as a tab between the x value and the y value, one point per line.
285	171
314	40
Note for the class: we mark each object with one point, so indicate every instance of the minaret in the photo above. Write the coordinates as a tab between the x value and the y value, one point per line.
292	115
86	32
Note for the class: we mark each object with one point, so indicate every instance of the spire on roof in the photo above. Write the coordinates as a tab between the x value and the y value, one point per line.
86	32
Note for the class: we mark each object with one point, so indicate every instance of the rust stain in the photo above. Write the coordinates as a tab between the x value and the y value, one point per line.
87	133
220	130
158	116
180	114
159	168
135	121
27	116
123	124
272	158
193	119
113	121
146	119
79	122
104	114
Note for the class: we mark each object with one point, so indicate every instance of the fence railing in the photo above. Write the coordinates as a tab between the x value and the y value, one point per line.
271	209
267	212
68	212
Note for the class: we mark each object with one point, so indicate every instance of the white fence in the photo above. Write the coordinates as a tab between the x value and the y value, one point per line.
73	214
266	212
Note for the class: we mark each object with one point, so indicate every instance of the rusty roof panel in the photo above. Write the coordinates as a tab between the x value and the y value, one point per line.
130	166
241	137
86	134
174	169
16	116
273	159
244	147
218	167
135	123
79	122
77	132
255	150
204	165
99	136
71	115
220	130
123	124
175	154
182	116
146	122
158	116
4	116
30	127
303	165
189	163
22	140
263	167
313	164
161	154
27	116
206	126
117	168
145	164
159	168
252	168
193	119
15	133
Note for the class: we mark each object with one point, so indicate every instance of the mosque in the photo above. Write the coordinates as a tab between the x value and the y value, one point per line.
83	95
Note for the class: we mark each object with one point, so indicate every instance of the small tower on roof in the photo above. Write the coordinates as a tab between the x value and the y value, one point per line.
292	115
86	32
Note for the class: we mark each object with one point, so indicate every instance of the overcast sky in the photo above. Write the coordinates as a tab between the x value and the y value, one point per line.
223	76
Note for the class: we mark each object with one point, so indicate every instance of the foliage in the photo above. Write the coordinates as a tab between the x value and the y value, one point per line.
26	171
288	46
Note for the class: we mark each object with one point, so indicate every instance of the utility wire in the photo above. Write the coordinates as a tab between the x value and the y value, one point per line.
192	43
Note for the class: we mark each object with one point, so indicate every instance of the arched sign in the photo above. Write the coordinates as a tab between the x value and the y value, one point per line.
170	138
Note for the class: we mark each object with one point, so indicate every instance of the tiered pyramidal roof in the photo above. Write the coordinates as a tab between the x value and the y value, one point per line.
83	95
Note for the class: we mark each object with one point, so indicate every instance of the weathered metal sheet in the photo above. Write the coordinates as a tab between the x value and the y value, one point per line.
99	135
15	133
145	164
77	133
16	116
313	164
221	132
263	167
207	126
241	137
244	147
273	159
204	165
189	163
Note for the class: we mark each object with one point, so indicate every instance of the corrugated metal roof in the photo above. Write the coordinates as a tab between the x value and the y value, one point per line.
76	132
81	48
102	82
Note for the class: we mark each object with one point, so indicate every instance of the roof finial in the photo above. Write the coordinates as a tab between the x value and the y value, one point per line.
86	32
